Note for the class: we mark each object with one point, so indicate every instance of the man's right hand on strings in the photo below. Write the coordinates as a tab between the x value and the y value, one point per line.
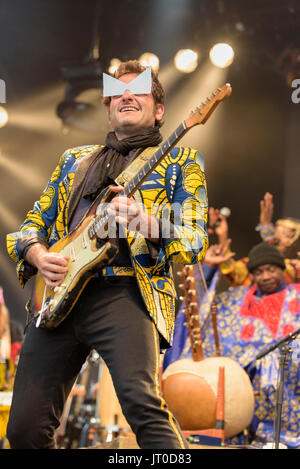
52	266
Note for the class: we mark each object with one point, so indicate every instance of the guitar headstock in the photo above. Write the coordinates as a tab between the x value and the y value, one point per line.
202	112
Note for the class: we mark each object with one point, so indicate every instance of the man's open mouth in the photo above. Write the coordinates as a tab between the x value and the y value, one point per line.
129	109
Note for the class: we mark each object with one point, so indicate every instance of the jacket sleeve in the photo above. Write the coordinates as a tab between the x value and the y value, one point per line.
185	238
37	225
183	233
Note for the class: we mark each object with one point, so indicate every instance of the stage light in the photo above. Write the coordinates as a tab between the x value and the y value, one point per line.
3	116
221	55
82	77
149	60
80	115
114	64
186	60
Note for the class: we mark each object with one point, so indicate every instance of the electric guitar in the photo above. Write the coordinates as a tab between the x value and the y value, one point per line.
88	246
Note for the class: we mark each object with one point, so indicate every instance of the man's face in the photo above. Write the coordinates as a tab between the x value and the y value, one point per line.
268	278
130	113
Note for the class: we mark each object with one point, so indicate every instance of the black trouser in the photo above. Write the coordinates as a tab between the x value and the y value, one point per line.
109	317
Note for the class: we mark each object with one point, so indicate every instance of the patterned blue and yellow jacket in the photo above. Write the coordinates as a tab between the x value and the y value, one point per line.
178	180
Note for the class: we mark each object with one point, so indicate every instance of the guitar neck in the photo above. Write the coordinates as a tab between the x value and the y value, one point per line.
155	159
199	116
143	173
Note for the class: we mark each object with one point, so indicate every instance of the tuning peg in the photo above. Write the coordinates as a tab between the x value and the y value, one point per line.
197	342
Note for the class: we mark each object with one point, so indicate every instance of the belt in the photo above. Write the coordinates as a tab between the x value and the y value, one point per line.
110	271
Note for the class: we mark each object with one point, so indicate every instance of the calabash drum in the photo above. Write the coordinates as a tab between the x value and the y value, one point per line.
190	390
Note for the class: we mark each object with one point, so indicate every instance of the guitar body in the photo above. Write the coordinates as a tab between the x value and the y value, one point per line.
87	256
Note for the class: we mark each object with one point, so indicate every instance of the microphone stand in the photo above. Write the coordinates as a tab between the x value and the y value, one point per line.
284	349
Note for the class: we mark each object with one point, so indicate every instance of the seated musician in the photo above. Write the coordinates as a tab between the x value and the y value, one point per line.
250	319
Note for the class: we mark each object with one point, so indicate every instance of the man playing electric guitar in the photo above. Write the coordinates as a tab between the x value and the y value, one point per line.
126	310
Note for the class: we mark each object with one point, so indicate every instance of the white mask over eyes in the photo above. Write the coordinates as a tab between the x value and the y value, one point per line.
142	84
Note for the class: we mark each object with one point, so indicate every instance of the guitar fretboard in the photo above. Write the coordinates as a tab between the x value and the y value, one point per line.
155	159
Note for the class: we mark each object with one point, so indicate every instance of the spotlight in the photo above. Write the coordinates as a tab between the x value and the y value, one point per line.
3	117
79	115
114	64
221	55
149	60
186	60
80	77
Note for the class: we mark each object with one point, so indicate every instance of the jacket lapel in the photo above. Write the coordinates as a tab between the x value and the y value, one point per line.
78	185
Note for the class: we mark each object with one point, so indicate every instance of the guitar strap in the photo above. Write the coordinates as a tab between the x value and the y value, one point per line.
133	168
